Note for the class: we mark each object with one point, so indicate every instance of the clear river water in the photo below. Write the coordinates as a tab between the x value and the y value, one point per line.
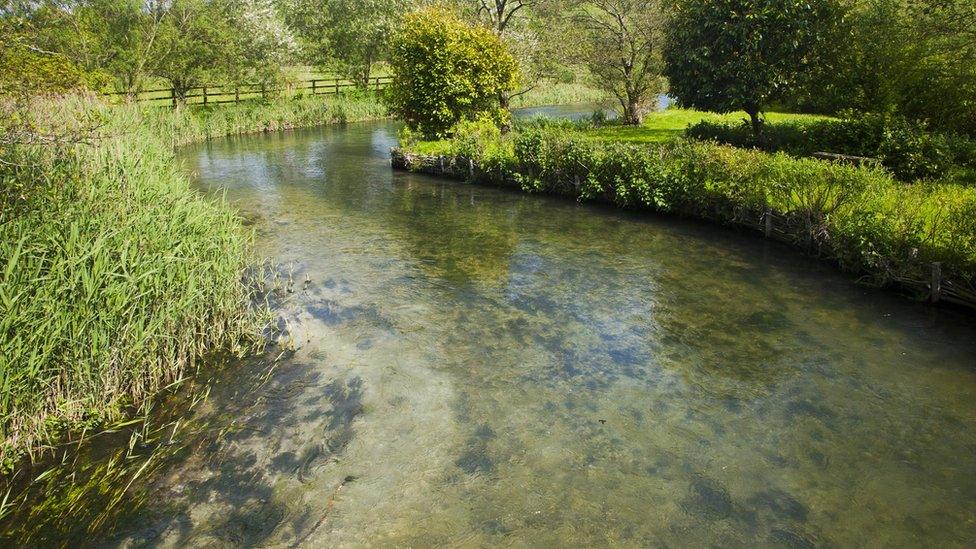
480	367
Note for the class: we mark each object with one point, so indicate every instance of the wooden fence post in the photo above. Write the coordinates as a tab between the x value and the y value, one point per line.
768	223
204	95
314	85
936	282
237	94
471	168
337	86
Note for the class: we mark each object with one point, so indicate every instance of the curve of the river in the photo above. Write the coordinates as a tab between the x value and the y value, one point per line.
480	367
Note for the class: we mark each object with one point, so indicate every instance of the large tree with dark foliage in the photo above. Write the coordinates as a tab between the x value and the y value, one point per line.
728	55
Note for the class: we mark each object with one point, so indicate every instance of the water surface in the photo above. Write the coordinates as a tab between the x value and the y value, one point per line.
480	367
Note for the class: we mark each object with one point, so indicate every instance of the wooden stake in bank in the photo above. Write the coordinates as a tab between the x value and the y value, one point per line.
936	282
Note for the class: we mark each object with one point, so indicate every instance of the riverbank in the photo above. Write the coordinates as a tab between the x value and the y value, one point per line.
107	173
118	278
920	237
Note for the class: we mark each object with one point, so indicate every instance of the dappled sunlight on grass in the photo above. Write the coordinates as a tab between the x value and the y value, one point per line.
671	123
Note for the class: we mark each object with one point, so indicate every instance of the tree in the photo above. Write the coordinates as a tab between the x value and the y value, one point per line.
622	47
26	68
499	13
445	71
943	43
206	41
728	55
194	38
349	36
533	32
915	58
260	43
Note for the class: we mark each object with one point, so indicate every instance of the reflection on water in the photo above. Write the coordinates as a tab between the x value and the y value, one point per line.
479	367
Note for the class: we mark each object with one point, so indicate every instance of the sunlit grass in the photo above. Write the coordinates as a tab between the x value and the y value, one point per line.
668	124
558	93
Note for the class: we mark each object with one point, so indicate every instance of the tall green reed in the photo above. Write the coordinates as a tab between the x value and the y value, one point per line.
117	278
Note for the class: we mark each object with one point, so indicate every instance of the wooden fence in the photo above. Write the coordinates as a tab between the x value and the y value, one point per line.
215	95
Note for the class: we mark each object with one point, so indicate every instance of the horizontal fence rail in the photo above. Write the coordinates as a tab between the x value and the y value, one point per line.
215	95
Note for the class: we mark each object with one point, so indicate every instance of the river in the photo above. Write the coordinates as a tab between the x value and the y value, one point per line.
480	367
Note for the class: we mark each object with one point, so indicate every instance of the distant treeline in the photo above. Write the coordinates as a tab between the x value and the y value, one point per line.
913	58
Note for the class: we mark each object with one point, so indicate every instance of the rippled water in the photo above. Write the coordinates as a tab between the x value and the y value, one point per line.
481	367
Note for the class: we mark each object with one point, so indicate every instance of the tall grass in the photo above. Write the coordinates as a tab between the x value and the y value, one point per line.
196	123
559	93
117	278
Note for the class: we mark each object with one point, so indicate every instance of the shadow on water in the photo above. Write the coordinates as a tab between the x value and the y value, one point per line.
224	452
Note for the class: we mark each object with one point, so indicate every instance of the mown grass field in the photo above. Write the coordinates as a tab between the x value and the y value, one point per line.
668	124
658	127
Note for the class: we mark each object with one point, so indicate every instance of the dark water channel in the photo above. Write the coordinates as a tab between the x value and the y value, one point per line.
479	367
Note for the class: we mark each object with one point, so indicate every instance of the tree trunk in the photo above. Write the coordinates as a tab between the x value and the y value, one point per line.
364	75
180	90
633	115
757	124
504	103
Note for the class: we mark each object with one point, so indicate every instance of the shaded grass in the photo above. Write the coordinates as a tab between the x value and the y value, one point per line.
118	278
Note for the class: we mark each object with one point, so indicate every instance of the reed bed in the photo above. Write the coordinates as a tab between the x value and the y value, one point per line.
560	93
117	278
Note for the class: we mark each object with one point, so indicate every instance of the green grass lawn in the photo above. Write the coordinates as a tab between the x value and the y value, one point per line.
668	124
658	127
441	146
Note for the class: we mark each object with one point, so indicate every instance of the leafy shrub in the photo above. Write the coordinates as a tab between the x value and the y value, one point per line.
905	148
963	150
472	136
482	139
445	71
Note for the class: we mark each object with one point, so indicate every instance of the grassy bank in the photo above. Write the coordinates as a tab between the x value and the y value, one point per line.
861	218
116	277
559	93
